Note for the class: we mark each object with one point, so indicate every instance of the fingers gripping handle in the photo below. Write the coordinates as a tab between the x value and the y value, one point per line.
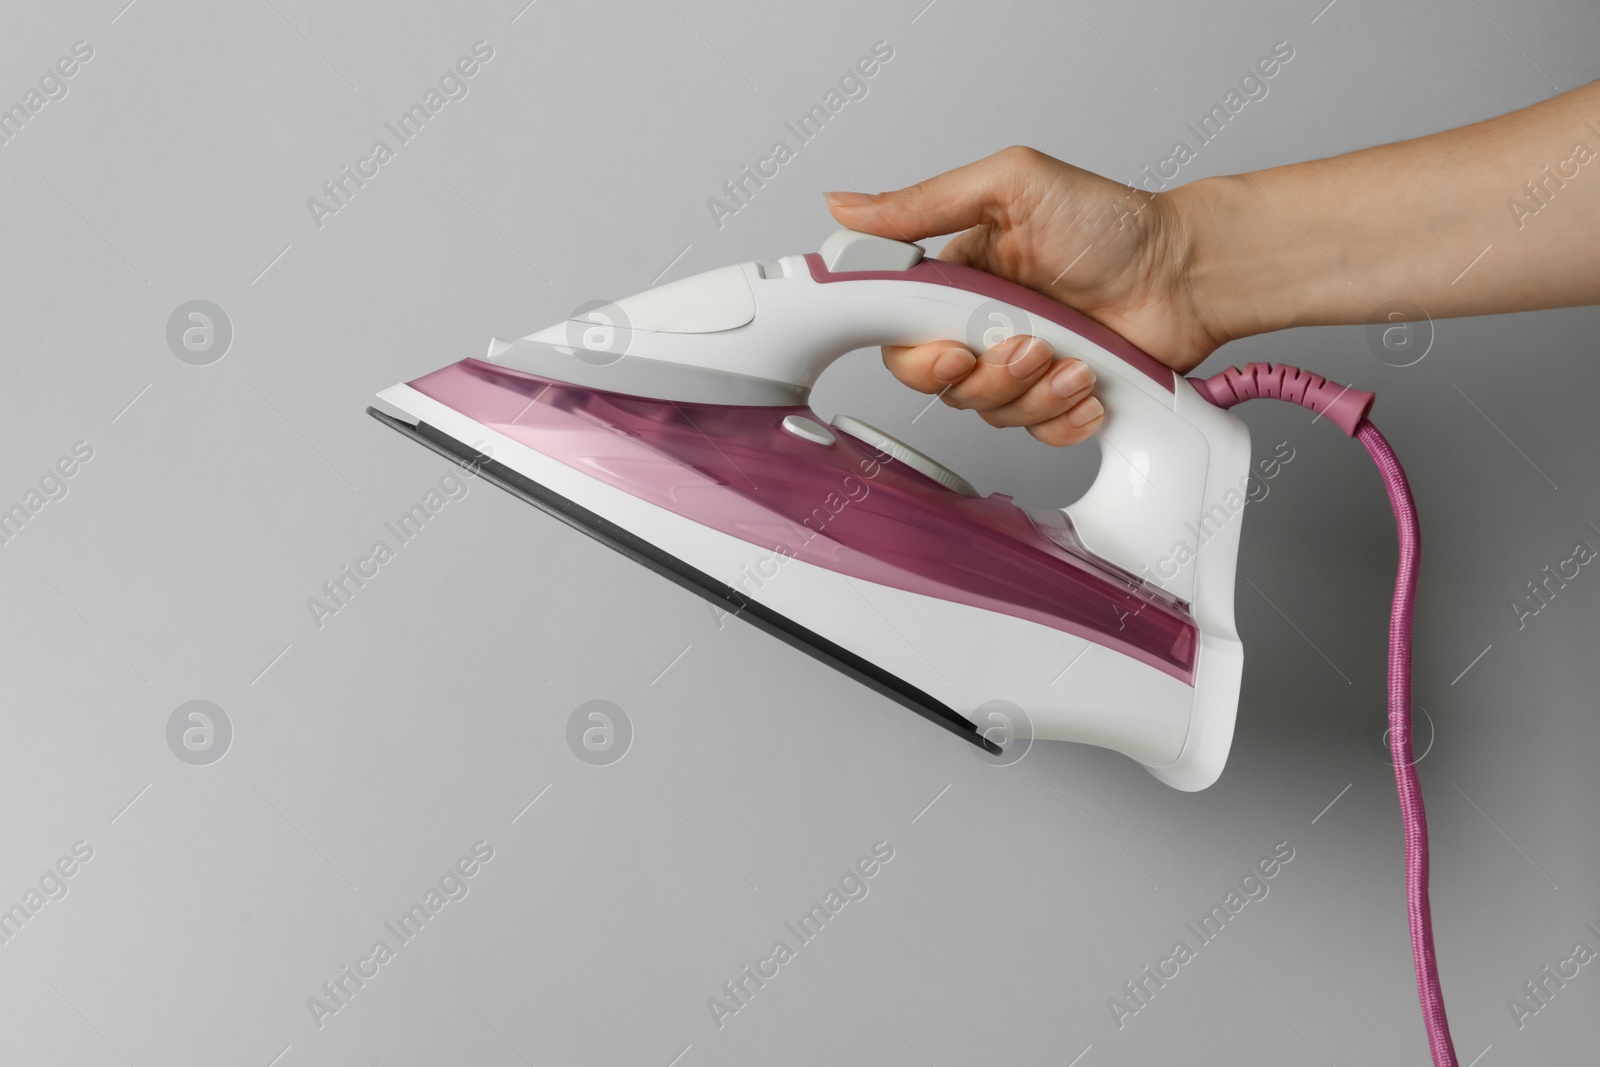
1153	462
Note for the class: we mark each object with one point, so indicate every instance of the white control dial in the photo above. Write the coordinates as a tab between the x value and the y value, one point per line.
808	430
903	452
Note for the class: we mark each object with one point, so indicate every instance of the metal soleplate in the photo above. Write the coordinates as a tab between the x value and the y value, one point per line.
676	570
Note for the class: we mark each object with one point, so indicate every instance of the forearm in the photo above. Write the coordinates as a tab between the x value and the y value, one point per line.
1448	222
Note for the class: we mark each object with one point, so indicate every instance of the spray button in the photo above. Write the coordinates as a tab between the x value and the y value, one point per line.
849	250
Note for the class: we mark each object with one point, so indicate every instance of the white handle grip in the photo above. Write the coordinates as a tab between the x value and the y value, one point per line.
1153	461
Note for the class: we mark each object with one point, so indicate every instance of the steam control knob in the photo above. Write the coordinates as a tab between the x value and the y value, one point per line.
903	452
808	430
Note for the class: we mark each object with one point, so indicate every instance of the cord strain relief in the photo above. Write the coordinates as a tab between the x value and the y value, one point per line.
1343	406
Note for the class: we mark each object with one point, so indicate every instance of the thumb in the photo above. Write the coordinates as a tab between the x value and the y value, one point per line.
958	199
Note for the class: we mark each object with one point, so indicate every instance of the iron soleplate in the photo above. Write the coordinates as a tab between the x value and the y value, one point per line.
697	581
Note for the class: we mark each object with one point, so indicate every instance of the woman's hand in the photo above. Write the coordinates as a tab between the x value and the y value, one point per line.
1115	254
1425	224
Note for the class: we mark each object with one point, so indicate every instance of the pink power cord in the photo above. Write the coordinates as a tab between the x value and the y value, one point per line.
1347	408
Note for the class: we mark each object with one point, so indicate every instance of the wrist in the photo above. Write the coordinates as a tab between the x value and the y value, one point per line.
1243	271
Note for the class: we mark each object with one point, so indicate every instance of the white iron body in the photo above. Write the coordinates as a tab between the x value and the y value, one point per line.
1164	506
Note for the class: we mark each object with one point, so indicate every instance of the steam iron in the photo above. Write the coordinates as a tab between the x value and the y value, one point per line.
673	426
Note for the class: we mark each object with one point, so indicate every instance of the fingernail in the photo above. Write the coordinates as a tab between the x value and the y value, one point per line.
953	363
1085	413
1071	378
847	199
1033	354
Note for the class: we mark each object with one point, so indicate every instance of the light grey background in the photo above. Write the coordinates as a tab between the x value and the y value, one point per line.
369	754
